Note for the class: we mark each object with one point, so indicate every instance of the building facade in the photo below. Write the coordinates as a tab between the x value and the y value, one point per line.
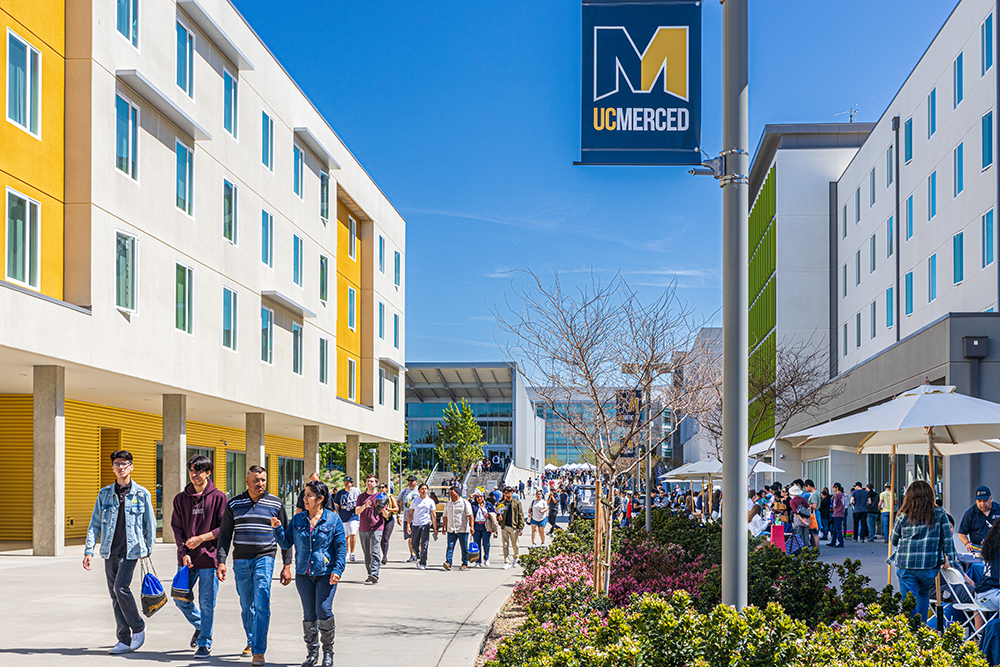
211	271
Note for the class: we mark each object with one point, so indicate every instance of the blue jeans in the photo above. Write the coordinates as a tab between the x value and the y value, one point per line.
316	594
872	522
253	584
203	615
838	532
885	526
463	541
482	538
918	582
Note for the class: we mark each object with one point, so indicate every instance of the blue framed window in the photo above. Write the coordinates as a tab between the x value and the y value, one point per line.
395	331
908	140
381	320
931	277
229	318
958	167
298	170
986	223
266	238
932	113
352	305
267	140
986	45
185	178
185	59
297	253
958	257
888	166
229	103
889	308
932	195
909	217
957	81
889	245
987	139
909	293
128	20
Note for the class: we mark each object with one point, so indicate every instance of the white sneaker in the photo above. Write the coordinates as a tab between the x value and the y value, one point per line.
352	557
486	563
138	638
423	567
506	566
119	648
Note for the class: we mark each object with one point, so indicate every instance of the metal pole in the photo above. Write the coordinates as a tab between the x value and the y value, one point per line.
735	306
649	459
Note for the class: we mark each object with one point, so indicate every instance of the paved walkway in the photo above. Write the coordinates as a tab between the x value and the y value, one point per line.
52	612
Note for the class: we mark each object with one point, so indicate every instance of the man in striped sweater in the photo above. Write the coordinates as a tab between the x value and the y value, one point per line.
246	525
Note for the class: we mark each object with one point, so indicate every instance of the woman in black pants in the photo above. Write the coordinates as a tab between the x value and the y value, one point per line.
826	513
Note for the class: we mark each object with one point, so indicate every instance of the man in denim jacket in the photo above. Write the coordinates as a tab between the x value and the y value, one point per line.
124	522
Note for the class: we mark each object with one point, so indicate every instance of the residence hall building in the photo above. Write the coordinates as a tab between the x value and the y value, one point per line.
912	256
209	270
500	399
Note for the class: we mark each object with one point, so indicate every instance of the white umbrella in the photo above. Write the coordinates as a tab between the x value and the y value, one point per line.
549	466
712	468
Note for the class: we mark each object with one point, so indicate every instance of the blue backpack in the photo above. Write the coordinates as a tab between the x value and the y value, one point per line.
153	597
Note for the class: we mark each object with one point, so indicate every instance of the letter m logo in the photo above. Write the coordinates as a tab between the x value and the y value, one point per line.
616	56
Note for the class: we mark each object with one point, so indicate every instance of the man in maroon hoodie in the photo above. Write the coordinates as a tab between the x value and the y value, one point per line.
197	517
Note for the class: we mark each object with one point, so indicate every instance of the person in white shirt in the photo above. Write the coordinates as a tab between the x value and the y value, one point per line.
420	519
539	517
407	495
457	522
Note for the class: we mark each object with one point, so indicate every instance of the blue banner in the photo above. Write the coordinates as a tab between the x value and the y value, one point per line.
641	82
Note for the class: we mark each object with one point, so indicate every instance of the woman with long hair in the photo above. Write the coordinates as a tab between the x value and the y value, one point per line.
988	588
923	543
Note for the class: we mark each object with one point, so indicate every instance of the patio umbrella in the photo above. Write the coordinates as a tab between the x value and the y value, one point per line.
711	468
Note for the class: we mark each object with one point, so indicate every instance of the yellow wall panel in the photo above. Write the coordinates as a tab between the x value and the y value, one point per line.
16	460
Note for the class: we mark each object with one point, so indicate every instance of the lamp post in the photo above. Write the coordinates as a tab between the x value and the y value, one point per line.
374	452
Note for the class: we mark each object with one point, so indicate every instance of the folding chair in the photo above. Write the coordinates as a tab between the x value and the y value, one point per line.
961	591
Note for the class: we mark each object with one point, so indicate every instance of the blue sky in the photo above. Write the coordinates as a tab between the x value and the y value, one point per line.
467	114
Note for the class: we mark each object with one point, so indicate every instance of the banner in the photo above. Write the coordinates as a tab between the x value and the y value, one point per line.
641	82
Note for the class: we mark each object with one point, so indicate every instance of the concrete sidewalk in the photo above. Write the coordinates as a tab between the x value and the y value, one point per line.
52	612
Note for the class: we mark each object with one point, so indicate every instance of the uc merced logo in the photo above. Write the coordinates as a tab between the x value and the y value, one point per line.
621	65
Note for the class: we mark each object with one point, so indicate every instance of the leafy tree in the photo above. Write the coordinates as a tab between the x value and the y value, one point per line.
334	455
460	438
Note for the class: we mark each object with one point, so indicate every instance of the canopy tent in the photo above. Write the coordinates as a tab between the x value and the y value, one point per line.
711	468
549	466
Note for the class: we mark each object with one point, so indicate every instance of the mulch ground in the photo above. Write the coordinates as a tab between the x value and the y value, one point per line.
506	623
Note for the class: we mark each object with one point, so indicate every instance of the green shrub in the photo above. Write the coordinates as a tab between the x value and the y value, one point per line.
563	542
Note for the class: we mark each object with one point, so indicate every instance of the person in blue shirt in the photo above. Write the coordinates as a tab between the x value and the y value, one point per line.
320	549
988	588
976	523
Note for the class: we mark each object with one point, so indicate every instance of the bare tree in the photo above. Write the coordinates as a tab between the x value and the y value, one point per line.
594	356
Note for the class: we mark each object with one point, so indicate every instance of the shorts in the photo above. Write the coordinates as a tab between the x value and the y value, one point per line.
352	527
541	522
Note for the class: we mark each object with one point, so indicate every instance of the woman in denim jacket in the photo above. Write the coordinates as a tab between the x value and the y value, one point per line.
320	550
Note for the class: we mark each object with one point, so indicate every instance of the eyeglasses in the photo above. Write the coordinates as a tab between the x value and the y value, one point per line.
121	464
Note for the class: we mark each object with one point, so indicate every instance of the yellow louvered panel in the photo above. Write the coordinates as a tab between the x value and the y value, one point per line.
220	438
16	448
111	442
277	445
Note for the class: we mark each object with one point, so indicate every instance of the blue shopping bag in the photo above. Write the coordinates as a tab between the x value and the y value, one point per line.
180	587
153	597
473	552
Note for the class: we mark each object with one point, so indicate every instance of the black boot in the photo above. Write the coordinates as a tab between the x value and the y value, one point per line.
327	630
310	633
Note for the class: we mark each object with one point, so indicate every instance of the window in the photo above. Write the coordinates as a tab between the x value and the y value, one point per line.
185	178
932	195
958	168
324	278
987	139
184	298
889	245
395	392
267	140
871	188
843	222
909	217
986	45
932	113
957	82
395	330
845	340
23	257
381	320
297	260
889	308
909	293
229	318
888	166
298	166
352	238
872	320
381	386
230	103
266	238
126	137
871	254
931	278
296	348
398	270
381	254
24	84
266	335
352	380
987	229
185	59
857	205
857	268
352	303
843	281
126	264
324	361
229	211
128	20
857	330
324	196
958	257
908	140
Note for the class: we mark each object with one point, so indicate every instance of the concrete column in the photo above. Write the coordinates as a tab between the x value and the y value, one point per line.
255	440
48	521
384	472
310	450
174	454
353	467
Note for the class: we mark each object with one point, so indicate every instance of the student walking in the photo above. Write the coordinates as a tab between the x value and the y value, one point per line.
390	520
345	501
320	556
457	522
196	521
511	525
124	522
553	500
244	527
838	511
372	515
485	524
859	509
406	497
539	520
421	518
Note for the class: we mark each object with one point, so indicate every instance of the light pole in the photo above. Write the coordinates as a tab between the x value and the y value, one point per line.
374	452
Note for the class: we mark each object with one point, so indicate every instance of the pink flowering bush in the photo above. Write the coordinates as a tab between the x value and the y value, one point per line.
644	565
557	572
